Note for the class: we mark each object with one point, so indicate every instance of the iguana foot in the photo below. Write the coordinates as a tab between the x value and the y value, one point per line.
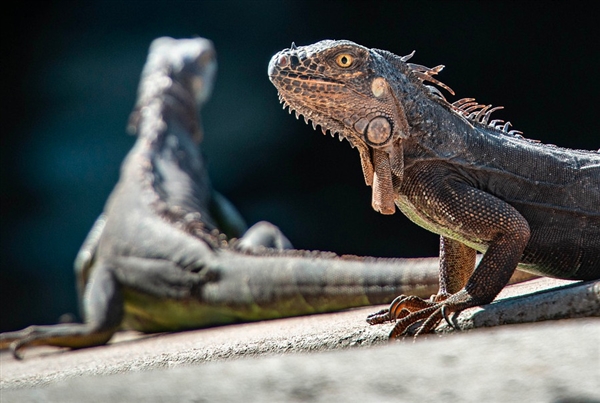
72	335
414	316
383	315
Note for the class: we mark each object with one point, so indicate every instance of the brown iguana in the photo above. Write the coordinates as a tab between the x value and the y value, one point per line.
162	258
448	168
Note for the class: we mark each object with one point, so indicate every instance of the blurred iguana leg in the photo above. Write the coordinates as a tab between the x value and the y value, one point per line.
104	311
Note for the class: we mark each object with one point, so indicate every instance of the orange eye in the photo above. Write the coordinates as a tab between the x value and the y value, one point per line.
344	60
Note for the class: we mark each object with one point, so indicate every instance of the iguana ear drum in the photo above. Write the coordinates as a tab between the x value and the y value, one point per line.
379	131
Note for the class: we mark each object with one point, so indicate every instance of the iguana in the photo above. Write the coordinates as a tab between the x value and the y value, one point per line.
163	255
479	185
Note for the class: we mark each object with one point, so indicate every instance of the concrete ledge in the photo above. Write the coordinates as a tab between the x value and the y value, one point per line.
549	361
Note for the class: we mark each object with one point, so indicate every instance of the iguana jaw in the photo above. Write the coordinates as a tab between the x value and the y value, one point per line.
304	77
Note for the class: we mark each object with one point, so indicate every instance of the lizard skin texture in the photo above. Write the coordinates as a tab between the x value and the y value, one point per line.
450	169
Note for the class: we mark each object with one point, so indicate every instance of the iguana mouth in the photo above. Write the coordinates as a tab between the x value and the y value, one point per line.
293	84
333	126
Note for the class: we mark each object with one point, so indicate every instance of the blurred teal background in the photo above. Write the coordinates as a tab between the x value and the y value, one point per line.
70	75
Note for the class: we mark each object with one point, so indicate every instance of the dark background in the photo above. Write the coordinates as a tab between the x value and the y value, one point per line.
69	78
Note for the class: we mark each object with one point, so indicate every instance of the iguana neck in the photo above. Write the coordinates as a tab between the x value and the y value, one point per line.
170	165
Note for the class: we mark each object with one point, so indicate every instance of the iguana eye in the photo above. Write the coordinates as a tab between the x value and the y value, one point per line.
344	60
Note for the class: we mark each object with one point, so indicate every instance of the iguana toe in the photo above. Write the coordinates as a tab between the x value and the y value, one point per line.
416	323
413	315
379	317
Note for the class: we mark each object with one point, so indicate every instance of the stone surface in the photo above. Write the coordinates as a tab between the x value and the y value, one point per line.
286	360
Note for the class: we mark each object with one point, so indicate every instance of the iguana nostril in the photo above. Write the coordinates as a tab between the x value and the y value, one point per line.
283	61
379	131
278	61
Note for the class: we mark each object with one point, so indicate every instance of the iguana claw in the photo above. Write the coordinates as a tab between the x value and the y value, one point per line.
379	317
445	316
15	349
413	316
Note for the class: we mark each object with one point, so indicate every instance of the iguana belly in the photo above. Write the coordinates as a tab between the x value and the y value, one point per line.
150	314
421	218
532	262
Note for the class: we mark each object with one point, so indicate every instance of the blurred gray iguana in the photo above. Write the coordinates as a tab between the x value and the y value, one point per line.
162	256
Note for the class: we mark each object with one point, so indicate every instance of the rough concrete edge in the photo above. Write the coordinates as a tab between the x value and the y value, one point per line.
269	346
355	368
575	300
571	301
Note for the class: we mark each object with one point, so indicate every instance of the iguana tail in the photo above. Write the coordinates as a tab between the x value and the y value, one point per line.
245	288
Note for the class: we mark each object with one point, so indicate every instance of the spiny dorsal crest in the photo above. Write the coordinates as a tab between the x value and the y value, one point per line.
465	107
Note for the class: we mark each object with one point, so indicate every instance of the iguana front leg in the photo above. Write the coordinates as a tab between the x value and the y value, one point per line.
103	306
227	217
263	234
484	220
457	262
104	299
85	258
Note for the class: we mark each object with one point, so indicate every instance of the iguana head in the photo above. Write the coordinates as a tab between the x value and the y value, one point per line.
337	85
189	62
184	69
345	88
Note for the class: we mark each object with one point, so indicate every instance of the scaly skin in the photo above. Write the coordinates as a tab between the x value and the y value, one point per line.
161	256
449	169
